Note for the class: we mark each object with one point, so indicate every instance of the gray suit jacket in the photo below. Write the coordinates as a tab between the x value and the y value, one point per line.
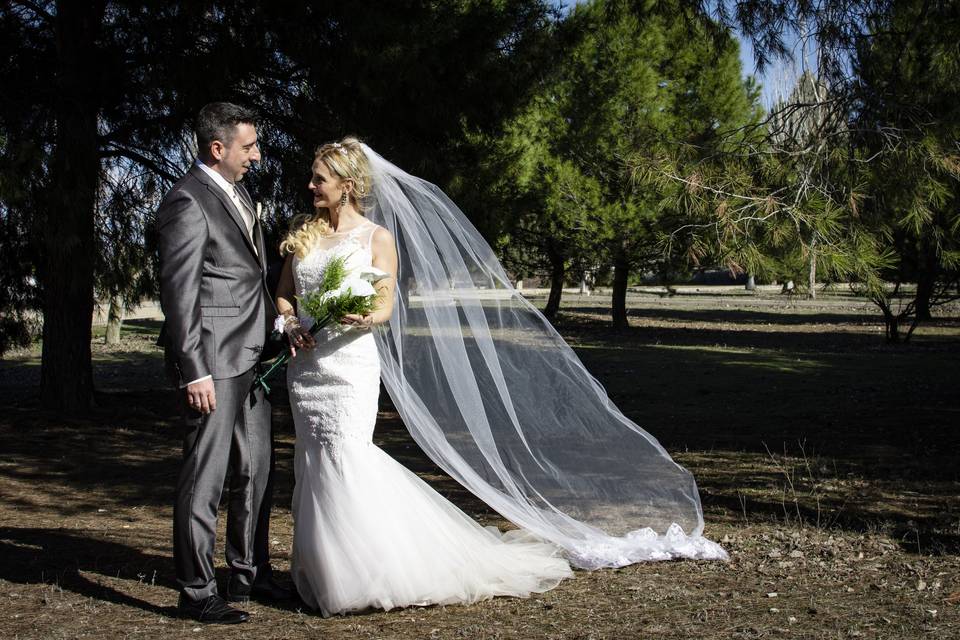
213	289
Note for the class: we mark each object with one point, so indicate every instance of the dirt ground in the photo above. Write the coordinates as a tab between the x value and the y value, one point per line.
827	463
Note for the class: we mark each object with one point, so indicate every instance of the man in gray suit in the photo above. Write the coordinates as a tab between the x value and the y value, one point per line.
218	313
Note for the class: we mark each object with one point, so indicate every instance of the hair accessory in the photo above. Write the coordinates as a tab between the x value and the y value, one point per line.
346	154
358	183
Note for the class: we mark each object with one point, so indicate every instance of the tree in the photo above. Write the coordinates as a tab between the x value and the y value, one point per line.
640	83
804	131
909	118
127	81
772	27
630	82
124	273
867	193
93	85
66	266
549	208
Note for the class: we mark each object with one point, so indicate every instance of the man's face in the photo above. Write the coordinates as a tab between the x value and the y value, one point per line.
234	160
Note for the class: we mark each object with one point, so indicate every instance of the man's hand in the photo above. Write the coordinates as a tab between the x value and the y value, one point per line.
201	396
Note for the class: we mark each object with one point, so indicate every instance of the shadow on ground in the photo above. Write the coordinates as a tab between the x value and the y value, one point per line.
862	434
67	560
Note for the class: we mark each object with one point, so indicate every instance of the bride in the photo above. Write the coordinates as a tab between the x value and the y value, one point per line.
487	389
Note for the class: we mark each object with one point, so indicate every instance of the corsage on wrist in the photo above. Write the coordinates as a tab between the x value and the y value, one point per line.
283	324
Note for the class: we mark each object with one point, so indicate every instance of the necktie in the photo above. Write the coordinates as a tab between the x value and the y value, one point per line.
246	214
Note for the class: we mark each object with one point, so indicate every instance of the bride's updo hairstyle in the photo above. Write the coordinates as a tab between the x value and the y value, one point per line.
346	160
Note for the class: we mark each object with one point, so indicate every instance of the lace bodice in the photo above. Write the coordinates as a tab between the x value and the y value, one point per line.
334	386
353	244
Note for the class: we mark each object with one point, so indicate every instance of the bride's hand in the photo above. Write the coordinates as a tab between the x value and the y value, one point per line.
299	338
356	320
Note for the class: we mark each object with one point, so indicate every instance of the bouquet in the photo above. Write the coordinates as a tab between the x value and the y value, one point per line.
340	293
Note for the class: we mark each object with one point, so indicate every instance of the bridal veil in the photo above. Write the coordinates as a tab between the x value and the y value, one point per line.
497	399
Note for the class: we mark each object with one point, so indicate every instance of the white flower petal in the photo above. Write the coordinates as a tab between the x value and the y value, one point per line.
331	294
359	287
372	274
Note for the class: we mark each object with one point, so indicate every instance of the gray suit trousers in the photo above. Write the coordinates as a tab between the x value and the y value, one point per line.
235	436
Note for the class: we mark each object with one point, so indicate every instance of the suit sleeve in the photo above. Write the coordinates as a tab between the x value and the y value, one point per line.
183	234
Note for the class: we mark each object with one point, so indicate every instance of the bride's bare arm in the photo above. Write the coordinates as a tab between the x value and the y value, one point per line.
286	305
384	253
285	289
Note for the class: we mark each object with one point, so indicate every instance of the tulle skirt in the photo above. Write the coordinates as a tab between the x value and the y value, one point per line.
371	534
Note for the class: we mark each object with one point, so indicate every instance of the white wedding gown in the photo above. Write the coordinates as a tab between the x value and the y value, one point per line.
368	533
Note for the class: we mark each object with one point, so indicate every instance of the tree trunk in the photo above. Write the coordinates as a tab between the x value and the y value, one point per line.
927	273
892	328
66	378
621	275
114	320
751	283
558	270
891	322
812	276
923	296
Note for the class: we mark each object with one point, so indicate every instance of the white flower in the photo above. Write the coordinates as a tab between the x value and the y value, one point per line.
372	274
356	287
330	294
359	287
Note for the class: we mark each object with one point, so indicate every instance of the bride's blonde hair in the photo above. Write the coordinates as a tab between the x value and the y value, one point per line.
346	160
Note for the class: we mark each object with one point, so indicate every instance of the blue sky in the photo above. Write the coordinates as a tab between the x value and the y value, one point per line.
769	79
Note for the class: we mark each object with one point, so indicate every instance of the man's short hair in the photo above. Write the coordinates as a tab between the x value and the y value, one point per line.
218	121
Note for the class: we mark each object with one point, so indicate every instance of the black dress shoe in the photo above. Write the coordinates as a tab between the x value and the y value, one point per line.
213	610
264	590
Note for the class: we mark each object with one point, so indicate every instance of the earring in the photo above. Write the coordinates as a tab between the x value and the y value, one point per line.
343	201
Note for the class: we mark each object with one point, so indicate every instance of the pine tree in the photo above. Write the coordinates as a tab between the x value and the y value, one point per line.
629	84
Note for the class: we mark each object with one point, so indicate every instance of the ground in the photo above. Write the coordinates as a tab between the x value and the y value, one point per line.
827	462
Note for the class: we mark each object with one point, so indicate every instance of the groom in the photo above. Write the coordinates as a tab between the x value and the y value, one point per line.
218	311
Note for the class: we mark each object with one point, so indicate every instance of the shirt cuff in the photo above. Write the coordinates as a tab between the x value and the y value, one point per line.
184	386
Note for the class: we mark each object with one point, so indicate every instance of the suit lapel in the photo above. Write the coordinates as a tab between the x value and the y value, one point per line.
228	207
258	238
246	199
257	228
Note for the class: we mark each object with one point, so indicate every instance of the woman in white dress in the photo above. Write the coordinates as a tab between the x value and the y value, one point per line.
368	533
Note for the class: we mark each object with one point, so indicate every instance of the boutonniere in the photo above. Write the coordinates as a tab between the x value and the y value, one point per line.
259	211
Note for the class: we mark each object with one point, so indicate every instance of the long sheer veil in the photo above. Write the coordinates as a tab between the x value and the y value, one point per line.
497	399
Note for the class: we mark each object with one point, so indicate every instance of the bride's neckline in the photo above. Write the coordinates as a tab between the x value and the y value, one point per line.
359	225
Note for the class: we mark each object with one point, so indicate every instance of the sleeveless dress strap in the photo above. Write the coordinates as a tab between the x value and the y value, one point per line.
369	238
